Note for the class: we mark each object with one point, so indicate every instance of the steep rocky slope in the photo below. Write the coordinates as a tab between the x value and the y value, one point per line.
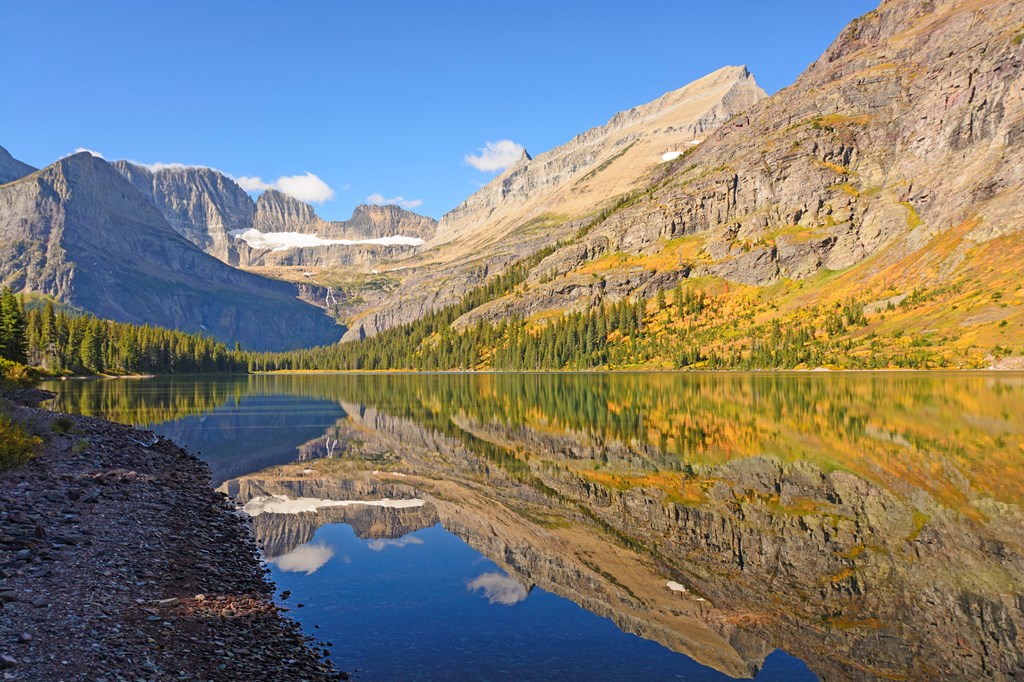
372	221
891	166
201	204
79	231
532	204
210	210
907	127
602	161
11	169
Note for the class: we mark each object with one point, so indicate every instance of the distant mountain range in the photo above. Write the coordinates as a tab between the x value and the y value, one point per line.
77	230
890	172
211	210
156	246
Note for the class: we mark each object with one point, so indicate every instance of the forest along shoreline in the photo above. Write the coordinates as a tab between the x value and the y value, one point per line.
118	560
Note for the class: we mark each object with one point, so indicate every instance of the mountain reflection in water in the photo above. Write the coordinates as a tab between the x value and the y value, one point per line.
869	524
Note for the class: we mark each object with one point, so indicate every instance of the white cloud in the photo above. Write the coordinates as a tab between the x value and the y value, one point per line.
498	588
253	184
379	200
495	156
308	187
304	559
378	545
90	151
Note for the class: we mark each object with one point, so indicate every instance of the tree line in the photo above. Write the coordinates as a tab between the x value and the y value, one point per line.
60	342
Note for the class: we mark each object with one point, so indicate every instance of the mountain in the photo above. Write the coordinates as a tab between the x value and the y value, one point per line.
888	175
371	221
278	212
81	232
201	204
11	169
533	203
212	211
602	161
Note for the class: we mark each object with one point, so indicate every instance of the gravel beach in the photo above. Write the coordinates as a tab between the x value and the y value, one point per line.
119	562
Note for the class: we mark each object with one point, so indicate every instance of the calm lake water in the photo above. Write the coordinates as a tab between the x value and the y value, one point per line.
630	526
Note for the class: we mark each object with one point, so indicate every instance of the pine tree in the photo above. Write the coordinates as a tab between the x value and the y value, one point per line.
13	328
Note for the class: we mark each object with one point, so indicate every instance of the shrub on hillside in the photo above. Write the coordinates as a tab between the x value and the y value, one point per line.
15	375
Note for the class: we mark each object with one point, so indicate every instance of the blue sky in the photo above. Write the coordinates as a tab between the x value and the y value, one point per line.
383	98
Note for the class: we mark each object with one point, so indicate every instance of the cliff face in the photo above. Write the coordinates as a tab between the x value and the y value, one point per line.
206	207
201	204
278	212
370	221
79	231
11	169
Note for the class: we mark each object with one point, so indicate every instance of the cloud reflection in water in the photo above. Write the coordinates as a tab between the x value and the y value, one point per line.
498	588
306	559
378	545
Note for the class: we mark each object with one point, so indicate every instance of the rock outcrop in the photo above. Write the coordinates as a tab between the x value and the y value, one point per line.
11	169
79	231
278	212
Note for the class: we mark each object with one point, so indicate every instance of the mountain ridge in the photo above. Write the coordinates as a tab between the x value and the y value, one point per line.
12	169
79	231
892	161
207	206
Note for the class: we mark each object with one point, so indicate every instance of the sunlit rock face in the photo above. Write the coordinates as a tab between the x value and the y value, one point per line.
899	150
201	204
605	160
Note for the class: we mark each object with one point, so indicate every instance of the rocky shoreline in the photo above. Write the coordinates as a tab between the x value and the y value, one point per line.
119	562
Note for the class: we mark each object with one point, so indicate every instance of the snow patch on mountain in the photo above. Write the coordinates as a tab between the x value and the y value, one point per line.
282	241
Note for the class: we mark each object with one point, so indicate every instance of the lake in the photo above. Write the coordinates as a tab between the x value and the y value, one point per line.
697	526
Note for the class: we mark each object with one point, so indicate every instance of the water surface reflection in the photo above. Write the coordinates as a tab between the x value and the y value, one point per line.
869	524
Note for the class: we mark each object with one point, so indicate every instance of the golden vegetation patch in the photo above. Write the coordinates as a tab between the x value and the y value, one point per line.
17	445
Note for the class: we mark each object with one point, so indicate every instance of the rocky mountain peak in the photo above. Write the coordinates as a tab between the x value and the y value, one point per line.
373	221
80	231
601	162
11	169
279	212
